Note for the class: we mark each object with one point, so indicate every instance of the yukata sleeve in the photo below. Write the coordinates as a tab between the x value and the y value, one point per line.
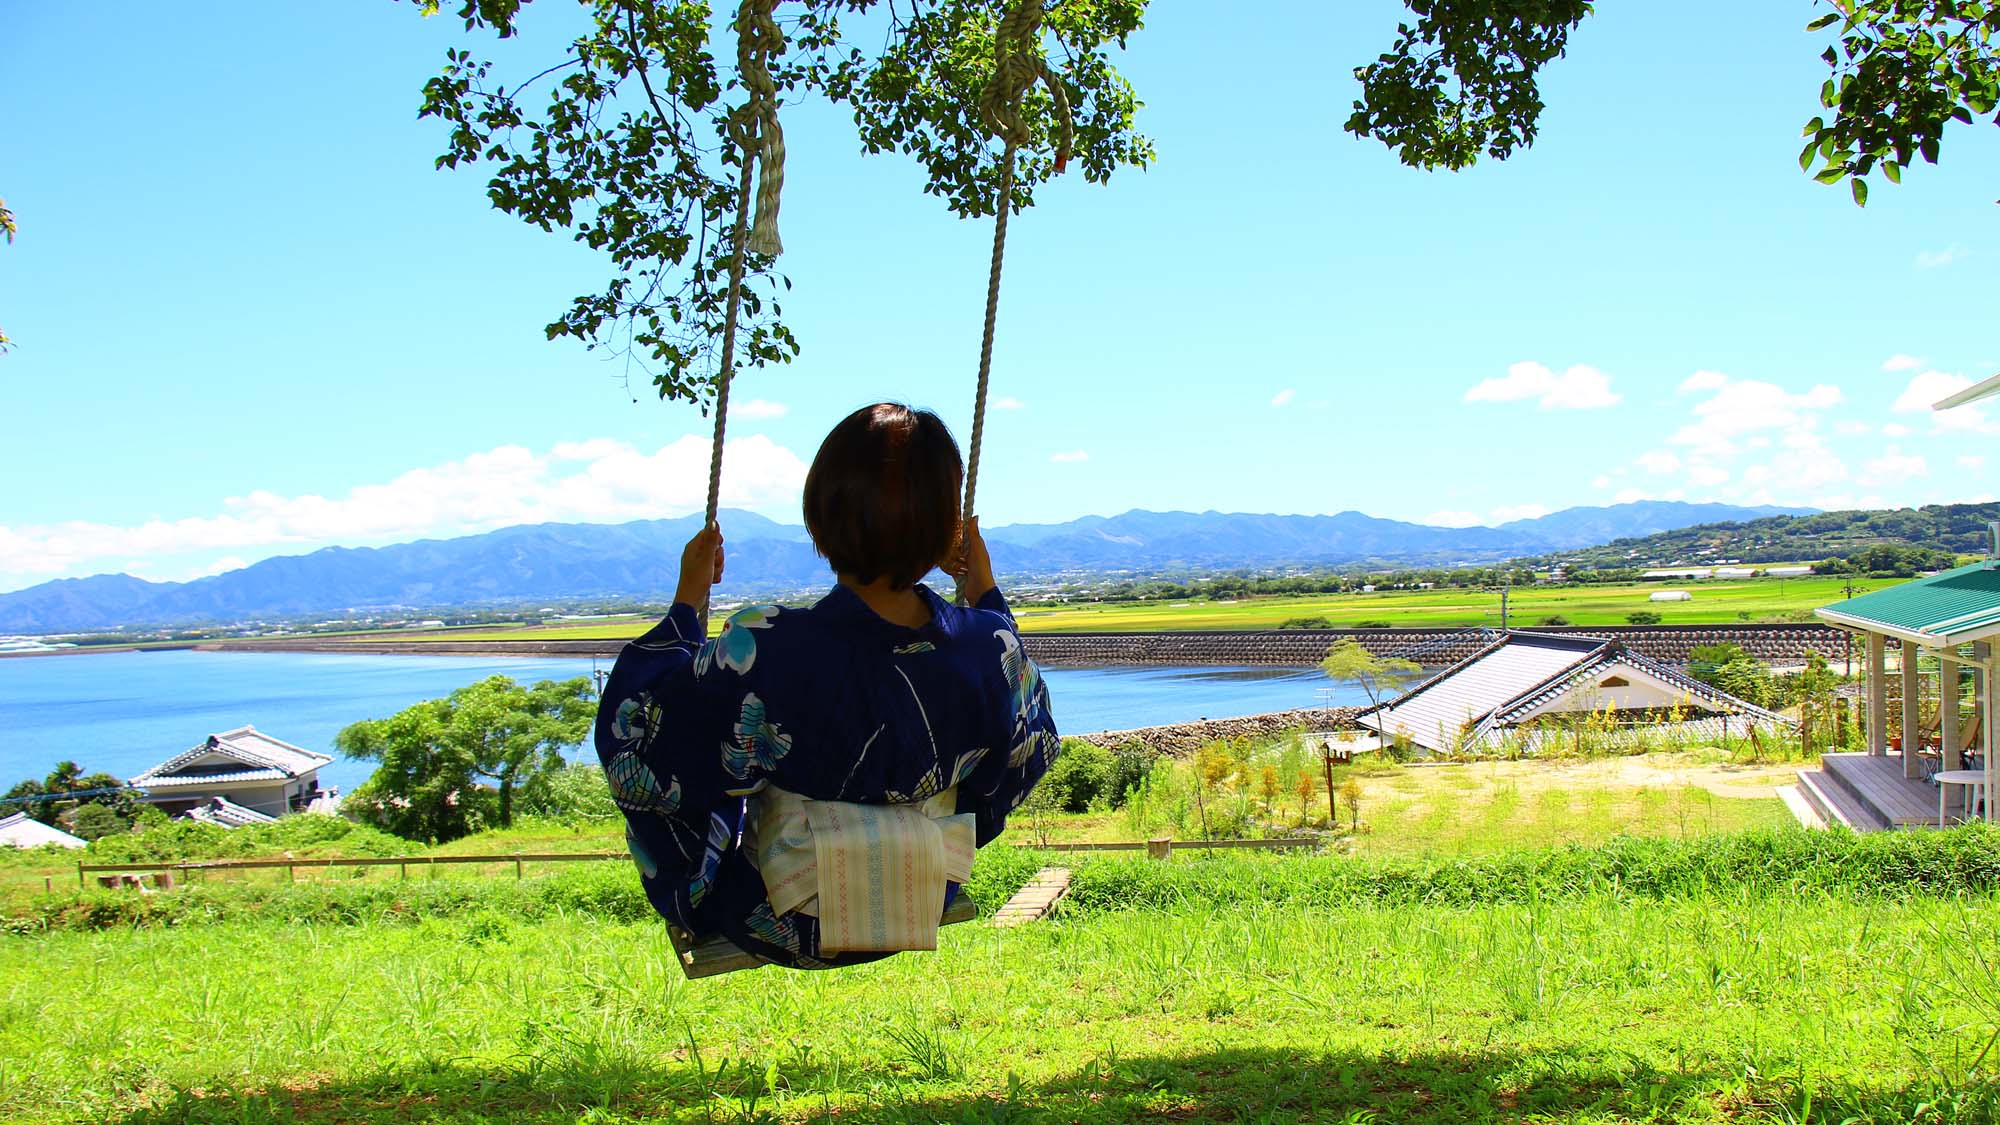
667	714
1000	782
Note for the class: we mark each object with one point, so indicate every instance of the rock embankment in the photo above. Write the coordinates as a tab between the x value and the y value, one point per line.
1186	738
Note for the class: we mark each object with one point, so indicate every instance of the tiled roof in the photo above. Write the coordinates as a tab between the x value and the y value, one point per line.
23	831
1945	609
232	777
1434	711
265	759
1506	682
228	814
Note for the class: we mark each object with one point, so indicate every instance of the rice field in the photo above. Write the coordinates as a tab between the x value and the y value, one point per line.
1714	602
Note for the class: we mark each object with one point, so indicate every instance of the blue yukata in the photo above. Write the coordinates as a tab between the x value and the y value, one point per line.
831	702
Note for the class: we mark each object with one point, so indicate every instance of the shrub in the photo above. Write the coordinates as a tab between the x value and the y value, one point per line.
1373	624
1314	622
1555	619
1080	776
94	821
1130	763
574	792
1643	617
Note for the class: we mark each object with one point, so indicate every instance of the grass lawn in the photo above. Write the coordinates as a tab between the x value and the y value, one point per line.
1715	602
1594	1009
1474	809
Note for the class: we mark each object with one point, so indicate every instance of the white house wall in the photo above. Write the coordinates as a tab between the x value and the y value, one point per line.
1640	692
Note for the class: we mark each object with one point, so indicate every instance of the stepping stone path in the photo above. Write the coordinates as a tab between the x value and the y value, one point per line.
1034	900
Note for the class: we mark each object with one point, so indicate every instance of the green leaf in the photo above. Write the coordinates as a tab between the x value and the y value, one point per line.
1806	155
1892	170
1860	192
1832	173
1823	21
1814	127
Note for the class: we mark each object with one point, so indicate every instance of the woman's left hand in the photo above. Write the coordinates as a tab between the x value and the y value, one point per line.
701	567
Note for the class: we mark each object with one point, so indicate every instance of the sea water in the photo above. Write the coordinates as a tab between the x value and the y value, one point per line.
122	712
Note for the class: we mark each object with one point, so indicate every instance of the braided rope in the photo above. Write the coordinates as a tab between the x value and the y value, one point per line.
754	126
1017	64
754	130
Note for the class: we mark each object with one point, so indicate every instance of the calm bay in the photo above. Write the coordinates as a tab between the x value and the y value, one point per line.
124	711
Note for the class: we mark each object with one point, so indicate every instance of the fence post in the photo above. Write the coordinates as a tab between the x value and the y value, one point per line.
517	867
1161	848
79	875
405	869
291	874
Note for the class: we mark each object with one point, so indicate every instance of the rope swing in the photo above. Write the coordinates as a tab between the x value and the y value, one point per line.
1017	63
760	143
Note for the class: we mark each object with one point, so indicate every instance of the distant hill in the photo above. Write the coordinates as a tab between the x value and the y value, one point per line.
549	563
1958	528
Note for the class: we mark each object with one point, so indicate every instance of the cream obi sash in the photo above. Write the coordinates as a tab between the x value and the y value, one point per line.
873	875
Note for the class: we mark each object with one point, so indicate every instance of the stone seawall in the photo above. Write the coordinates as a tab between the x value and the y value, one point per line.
1186	738
1282	648
1303	648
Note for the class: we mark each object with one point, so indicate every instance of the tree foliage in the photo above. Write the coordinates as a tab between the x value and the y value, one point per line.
8	228
433	756
1462	82
57	798
1349	662
621	141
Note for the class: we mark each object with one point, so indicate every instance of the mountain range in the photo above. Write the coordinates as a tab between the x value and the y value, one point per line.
565	562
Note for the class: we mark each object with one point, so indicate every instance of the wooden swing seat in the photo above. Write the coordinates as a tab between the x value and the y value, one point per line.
717	955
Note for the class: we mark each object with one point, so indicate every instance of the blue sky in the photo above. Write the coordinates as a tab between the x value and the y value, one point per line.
252	320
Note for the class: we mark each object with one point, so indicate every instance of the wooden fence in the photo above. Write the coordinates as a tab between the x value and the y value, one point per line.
111	874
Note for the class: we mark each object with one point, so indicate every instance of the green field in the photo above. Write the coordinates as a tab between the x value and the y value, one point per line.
1758	1005
1715	602
1587	940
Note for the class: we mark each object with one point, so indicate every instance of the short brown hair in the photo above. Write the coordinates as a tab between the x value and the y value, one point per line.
882	495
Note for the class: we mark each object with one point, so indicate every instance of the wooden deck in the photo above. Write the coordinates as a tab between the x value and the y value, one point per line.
1877	782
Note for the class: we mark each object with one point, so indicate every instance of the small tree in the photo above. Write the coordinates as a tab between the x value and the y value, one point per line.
1350	792
1304	788
433	754
1377	676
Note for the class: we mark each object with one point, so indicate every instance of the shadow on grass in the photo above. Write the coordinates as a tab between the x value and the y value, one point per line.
1247	1085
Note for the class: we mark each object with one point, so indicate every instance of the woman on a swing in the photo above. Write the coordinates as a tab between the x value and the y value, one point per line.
880	694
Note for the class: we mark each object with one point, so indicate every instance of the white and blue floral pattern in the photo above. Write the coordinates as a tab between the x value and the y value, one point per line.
828	699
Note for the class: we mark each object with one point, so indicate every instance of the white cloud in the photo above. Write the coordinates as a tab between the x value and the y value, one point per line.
222	565
1895	430
1938	259
1892	467
1703	381
1629	495
1659	462
758	408
1930	387
1579	388
1738	407
1851	429
1600	481
1972	462
1070	458
1282	397
1901	362
600	480
1707	476
1006	402
1449	518
1508	513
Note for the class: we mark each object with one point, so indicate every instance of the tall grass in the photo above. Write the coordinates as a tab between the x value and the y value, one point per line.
1595	1007
1962	861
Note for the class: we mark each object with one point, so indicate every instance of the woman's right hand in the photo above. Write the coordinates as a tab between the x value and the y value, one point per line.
974	567
701	567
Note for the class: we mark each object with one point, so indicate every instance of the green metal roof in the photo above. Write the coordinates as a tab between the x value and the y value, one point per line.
1953	607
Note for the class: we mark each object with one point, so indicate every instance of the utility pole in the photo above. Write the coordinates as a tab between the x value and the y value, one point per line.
1503	608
